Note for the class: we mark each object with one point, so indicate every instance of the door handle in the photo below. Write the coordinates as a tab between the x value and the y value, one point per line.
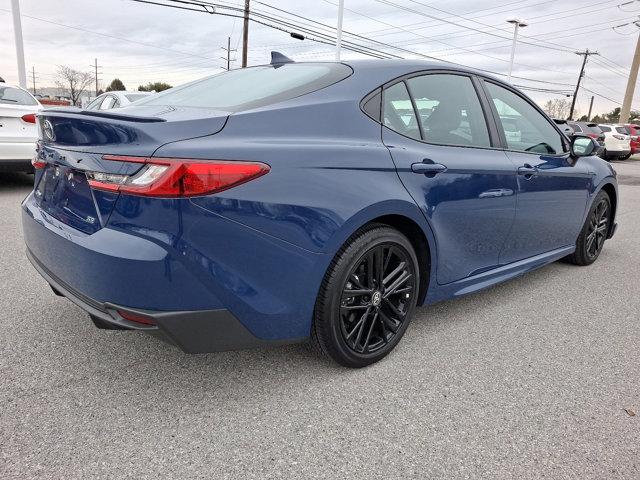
496	192
429	169
527	170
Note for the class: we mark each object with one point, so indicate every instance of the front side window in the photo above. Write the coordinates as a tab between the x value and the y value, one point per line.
107	103
398	113
449	110
525	128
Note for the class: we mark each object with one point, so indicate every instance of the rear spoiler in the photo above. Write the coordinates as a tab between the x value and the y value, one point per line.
109	115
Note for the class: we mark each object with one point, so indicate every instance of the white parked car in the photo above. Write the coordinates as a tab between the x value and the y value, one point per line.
18	131
617	142
109	100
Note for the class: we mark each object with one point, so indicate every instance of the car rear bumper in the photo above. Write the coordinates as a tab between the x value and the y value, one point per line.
197	331
12	151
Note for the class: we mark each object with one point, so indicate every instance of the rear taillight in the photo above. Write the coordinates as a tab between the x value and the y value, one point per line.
29	118
176	177
593	135
38	164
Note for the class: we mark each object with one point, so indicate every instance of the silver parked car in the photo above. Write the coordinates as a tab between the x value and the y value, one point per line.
109	100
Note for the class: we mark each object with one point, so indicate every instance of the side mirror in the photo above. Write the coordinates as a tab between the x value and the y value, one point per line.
582	146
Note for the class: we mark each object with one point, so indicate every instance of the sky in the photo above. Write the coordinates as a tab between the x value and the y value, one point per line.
141	43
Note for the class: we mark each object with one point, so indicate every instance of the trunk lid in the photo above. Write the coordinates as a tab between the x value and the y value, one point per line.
73	142
13	129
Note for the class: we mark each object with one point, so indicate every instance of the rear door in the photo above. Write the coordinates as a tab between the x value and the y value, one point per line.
443	144
552	187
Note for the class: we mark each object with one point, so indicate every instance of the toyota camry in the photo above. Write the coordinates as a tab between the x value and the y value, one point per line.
308	201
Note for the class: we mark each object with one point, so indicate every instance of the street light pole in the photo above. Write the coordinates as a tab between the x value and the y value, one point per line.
517	23
17	31
339	29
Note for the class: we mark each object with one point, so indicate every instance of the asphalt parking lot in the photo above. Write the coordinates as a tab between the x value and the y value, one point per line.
529	379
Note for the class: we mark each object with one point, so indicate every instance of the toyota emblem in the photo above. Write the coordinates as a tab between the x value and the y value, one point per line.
47	130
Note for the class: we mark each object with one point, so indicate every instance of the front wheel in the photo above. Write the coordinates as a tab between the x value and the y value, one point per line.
594	232
367	297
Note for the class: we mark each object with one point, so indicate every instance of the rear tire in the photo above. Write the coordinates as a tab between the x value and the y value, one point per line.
594	232
367	297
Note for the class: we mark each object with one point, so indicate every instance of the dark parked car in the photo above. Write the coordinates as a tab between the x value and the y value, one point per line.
297	201
590	129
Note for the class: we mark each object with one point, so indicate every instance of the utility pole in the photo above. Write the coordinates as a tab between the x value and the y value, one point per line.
590	108
95	66
245	34
517	23
228	50
33	77
585	54
631	85
339	29
17	32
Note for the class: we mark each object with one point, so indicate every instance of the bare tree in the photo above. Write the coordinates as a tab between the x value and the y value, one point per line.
75	81
557	108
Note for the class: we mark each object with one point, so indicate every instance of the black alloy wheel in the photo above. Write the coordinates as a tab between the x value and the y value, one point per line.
376	297
367	297
594	231
597	229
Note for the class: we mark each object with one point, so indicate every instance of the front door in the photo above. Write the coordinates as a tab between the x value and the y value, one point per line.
445	158
552	187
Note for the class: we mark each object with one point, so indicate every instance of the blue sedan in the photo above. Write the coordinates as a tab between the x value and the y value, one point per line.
308	201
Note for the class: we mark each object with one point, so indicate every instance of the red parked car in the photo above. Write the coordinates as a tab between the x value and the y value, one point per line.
634	131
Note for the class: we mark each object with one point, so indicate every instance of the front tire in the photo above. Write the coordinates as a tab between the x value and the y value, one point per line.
594	232
367	297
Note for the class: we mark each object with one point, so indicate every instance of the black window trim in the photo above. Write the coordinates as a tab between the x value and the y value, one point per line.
490	121
503	138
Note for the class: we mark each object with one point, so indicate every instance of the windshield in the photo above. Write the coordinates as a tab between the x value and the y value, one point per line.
15	96
253	87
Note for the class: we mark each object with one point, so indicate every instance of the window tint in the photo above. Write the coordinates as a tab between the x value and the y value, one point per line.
604	128
449	110
525	129
15	96
398	112
622	130
253	87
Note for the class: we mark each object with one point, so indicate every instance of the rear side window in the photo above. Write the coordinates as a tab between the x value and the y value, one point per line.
449	110
525	128
398	112
253	87
15	96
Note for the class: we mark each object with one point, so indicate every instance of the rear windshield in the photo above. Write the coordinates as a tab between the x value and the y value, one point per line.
15	96
253	87
593	128
623	130
132	97
605	128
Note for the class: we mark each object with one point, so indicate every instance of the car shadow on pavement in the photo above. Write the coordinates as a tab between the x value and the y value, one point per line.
15	181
